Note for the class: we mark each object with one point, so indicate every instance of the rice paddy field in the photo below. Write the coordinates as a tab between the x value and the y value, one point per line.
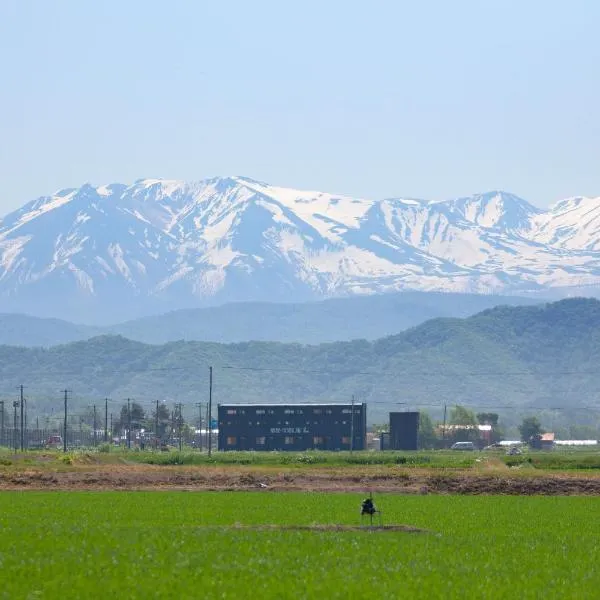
252	545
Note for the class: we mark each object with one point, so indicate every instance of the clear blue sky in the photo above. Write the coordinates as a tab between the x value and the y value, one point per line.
377	99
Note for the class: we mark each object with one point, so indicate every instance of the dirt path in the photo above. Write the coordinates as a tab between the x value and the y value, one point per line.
407	481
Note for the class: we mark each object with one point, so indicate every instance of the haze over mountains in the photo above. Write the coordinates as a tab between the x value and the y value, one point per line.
526	356
360	317
115	252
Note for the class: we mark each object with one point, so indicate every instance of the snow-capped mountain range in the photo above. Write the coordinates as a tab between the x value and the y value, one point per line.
121	251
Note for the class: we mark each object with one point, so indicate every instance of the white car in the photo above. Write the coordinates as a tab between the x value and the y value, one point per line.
463	446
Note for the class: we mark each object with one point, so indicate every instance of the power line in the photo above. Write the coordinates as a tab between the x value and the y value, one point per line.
396	372
429	373
408	403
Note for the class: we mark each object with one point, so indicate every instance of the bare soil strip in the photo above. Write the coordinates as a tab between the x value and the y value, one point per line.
407	481
326	528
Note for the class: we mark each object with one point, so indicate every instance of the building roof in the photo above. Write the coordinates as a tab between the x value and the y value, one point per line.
547	437
469	427
271	404
576	442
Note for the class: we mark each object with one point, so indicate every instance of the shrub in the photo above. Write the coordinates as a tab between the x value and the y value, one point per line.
306	459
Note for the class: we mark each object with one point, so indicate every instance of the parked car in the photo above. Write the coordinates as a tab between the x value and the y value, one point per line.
463	446
54	441
495	446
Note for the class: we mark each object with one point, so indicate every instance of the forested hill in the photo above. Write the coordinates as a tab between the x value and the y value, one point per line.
526	356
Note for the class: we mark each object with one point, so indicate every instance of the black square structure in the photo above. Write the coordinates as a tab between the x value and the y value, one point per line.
294	427
404	431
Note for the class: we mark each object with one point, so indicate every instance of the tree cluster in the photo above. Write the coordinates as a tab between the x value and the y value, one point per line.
165	422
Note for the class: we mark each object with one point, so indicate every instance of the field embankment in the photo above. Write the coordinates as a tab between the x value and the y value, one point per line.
436	473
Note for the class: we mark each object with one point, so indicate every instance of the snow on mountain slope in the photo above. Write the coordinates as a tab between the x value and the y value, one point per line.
573	224
160	244
494	210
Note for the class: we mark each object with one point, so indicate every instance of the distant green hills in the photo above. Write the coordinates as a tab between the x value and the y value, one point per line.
367	317
525	357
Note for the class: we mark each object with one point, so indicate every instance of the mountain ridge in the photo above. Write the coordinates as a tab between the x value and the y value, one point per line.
116	252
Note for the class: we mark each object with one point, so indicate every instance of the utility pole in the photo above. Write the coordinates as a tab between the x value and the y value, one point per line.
156	425
111	429
94	425
22	418
179	424
1	422
15	406
105	420
128	423
172	433
66	392
210	386
352	427
26	426
444	429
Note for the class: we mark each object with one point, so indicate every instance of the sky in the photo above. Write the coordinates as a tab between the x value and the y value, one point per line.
427	99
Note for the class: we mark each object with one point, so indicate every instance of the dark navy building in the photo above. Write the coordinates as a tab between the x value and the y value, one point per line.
404	432
292	426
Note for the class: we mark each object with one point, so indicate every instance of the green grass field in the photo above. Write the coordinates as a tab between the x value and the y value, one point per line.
182	545
563	459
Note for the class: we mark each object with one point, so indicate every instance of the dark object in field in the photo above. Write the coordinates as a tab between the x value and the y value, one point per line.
368	508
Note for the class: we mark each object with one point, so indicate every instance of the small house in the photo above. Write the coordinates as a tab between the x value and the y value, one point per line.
547	441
